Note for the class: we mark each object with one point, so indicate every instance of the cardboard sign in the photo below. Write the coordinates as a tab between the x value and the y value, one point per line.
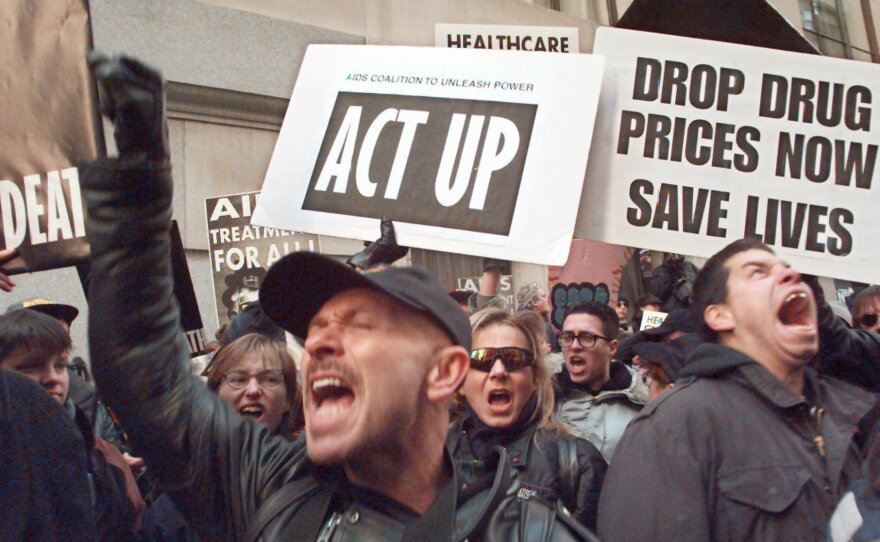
469	151
702	143
51	123
651	319
550	39
505	287
241	253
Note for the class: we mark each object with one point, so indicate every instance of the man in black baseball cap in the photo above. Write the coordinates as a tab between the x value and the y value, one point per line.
663	361
384	354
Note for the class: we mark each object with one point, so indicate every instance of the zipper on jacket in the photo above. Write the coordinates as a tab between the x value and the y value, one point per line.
816	415
330	527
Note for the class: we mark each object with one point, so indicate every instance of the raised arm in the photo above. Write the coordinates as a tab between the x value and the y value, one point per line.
191	440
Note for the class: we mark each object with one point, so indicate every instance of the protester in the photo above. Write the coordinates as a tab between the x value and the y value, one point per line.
509	402
598	397
622	310
852	355
385	351
664	360
81	392
45	494
866	309
672	282
750	444
532	297
256	375
35	345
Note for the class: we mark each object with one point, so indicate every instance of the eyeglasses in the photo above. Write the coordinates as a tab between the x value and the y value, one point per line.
584	338
270	378
482	359
868	320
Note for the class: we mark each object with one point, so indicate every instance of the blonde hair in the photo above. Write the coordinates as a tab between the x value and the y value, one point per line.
531	325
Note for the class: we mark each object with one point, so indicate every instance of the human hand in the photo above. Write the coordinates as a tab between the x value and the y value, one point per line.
7	255
133	98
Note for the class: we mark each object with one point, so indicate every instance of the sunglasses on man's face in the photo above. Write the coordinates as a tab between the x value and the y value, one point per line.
482	359
868	320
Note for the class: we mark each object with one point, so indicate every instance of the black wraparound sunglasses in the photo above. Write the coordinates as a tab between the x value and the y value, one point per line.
482	359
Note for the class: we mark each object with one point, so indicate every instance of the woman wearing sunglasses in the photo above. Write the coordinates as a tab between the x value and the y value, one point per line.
508	402
866	309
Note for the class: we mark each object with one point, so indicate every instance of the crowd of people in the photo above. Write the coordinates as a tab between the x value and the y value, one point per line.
418	414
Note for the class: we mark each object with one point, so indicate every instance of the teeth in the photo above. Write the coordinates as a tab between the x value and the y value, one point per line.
329	410
252	409
325	382
794	296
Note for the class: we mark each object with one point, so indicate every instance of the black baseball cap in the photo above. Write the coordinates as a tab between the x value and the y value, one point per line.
677	320
60	311
671	356
299	284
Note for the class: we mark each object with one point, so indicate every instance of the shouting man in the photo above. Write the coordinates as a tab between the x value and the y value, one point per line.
750	444
384	354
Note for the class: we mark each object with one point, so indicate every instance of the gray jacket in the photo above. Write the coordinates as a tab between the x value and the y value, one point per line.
732	454
602	418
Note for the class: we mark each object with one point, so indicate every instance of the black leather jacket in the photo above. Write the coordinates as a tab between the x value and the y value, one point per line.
549	464
233	479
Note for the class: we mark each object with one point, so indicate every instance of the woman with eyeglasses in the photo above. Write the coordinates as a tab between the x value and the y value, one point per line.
256	375
508	402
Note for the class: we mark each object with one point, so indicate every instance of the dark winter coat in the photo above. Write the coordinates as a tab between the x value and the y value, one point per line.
550	464
732	454
44	492
223	471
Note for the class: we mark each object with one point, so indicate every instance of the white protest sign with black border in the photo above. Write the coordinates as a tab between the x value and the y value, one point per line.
700	143
468	151
548	39
241	253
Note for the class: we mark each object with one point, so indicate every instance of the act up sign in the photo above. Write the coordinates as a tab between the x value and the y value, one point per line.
469	151
700	143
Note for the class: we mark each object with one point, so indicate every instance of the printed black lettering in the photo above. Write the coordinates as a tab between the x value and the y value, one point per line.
632	125
647	80
842	245
717	213
641	214
851	164
815	228
666	212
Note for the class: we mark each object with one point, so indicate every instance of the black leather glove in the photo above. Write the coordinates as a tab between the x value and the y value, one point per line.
133	98
383	250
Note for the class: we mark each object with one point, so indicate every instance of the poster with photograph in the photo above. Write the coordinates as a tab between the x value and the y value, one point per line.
241	253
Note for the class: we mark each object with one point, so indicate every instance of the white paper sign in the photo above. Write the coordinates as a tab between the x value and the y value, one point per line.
700	143
551	39
469	151
652	319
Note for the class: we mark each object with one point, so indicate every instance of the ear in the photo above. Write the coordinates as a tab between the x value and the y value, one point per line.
719	318
612	347
448	373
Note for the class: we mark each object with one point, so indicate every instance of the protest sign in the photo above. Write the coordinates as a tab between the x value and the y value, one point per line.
51	123
652	319
550	39
505	287
469	151
241	253
700	143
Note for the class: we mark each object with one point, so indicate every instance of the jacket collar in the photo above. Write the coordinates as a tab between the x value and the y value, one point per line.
712	360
